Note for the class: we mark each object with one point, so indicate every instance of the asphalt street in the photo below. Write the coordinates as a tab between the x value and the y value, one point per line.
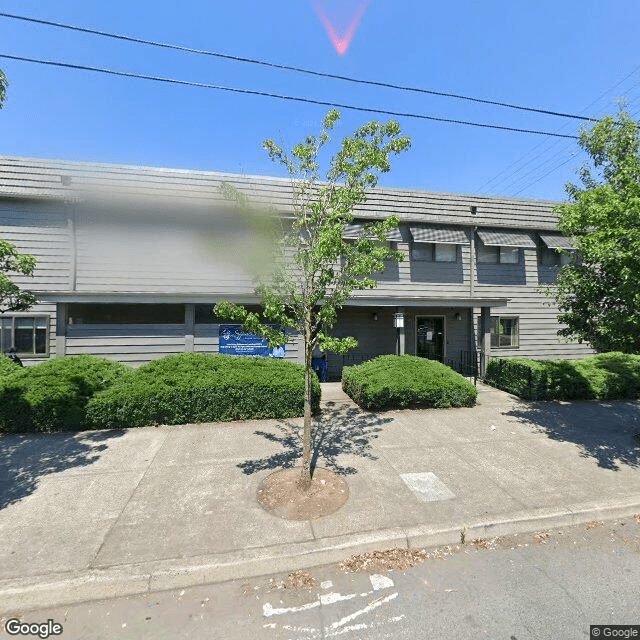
544	585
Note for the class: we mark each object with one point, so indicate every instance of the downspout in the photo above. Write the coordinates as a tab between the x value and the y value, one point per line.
74	244
472	290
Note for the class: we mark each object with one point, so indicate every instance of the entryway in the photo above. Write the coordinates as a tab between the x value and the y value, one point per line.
430	337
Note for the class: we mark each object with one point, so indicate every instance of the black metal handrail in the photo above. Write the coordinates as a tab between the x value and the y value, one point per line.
470	364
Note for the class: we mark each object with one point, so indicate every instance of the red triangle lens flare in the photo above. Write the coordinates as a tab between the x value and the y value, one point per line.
341	19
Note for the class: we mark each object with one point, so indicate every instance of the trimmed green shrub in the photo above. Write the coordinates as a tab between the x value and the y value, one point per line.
198	387
400	382
606	376
7	367
53	395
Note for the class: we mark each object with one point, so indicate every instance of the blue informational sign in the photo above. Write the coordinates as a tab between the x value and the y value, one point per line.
234	341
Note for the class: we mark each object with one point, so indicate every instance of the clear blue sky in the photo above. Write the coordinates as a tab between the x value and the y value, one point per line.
561	55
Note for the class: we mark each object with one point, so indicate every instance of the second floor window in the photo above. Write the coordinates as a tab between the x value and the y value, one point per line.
498	255
434	252
552	258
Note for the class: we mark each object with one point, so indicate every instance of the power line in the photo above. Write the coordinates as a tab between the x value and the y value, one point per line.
509	174
528	186
564	147
273	65
204	85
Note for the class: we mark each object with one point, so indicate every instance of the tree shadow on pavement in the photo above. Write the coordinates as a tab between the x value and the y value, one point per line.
602	430
338	429
24	459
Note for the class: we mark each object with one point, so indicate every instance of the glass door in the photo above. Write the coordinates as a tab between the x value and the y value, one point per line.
430	338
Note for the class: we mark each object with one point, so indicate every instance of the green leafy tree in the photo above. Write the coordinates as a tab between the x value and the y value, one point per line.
599	293
11	297
314	269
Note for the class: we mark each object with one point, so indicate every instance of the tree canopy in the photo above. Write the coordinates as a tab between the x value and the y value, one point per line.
598	294
315	269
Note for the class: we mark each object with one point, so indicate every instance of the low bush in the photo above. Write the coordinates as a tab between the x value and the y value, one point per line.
7	366
606	376
399	382
53	395
198	387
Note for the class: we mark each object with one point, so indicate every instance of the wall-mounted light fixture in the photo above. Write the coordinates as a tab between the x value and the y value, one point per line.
458	315
374	316
398	320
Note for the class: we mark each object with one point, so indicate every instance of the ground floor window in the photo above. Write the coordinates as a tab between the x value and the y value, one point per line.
504	331
28	334
143	313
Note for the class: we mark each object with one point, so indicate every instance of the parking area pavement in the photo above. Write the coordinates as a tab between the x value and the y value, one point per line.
140	509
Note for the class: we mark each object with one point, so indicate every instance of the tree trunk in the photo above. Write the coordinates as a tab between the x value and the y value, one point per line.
305	477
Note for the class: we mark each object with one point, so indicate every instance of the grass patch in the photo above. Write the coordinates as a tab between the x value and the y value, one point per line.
400	382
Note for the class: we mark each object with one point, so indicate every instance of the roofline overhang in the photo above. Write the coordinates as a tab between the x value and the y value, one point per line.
212	298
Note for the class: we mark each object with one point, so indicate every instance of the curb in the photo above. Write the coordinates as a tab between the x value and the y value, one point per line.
137	579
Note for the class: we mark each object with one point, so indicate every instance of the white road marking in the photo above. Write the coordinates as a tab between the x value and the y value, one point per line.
268	610
379	582
330	598
327	584
370	607
353	627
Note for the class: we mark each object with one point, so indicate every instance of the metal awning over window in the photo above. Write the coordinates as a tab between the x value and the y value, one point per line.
506	239
439	234
355	231
557	242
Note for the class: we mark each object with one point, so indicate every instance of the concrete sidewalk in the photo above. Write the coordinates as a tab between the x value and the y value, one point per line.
99	514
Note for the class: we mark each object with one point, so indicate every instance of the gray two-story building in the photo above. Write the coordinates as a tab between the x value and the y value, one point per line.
132	259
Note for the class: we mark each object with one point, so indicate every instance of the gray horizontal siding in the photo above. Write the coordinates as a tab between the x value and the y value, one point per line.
40	230
134	344
538	325
153	258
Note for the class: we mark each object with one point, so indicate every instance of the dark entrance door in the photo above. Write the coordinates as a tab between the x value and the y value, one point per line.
430	338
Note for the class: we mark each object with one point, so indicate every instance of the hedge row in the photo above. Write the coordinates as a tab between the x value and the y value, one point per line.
606	376
196	387
89	392
398	382
53	395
